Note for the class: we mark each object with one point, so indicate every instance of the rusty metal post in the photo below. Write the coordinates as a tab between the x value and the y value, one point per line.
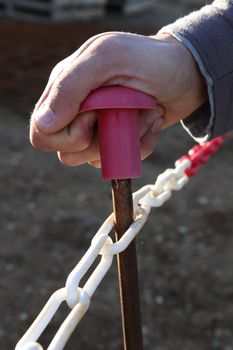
127	267
118	132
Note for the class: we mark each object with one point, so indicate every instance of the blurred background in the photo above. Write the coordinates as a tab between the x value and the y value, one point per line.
49	213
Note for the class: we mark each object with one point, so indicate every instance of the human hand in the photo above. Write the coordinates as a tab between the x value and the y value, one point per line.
160	66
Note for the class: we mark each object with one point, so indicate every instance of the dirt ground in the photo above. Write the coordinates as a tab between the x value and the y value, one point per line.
49	213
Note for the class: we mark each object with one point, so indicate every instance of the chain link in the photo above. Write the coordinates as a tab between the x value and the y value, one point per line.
79	298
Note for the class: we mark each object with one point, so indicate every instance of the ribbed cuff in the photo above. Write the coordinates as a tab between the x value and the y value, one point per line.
208	34
200	123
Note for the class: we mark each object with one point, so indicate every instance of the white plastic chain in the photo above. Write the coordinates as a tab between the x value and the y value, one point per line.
78	298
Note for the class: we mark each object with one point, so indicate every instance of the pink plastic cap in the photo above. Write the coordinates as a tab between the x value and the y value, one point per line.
117	97
118	128
119	143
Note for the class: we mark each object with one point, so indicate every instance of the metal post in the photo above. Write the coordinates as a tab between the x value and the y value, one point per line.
127	267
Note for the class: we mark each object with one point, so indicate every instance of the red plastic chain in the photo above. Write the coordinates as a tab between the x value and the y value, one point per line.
199	154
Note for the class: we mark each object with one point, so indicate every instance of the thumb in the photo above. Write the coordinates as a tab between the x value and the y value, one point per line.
61	105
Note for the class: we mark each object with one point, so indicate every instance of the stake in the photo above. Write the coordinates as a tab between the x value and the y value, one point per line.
127	267
118	133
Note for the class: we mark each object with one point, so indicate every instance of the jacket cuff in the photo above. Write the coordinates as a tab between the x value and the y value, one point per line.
200	123
208	34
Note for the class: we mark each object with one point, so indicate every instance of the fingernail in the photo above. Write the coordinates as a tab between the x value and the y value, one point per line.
156	126
153	117
95	163
44	116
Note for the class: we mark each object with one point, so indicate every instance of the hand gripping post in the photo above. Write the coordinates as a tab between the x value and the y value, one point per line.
118	131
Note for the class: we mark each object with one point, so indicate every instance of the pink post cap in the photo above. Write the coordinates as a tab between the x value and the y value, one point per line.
118	128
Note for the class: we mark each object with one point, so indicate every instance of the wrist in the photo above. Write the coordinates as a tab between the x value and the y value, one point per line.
193	80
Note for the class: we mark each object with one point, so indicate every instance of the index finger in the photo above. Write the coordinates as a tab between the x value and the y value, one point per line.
61	103
58	69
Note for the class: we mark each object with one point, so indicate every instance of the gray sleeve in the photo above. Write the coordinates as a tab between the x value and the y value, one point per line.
208	34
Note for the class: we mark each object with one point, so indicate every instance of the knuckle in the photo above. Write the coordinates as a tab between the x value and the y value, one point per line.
56	70
61	87
67	159
79	142
38	141
109	45
84	144
79	134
